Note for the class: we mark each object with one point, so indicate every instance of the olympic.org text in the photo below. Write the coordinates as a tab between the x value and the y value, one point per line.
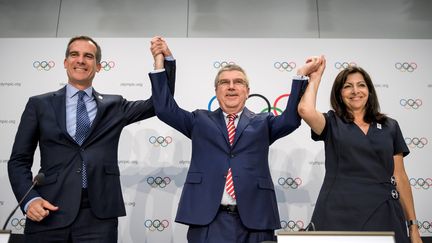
131	84
134	162
10	84
3	161
7	121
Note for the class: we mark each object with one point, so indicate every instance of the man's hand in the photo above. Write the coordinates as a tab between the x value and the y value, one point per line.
39	209
312	64
159	50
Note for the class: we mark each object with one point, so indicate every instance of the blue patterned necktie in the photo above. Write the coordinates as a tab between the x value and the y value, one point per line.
82	128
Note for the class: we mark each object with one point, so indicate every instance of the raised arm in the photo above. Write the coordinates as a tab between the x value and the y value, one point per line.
307	106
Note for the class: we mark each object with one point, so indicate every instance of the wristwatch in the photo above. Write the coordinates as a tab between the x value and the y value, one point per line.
412	222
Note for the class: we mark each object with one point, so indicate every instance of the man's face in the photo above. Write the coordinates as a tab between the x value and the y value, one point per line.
232	91
80	64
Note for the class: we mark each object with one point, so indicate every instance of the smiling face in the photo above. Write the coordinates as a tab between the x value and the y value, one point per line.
232	91
355	92
81	64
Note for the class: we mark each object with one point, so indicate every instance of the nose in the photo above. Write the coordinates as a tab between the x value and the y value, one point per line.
231	85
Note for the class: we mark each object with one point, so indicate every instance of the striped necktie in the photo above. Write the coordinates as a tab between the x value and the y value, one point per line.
231	133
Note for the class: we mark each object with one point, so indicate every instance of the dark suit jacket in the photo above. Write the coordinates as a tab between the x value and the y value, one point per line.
43	122
212	156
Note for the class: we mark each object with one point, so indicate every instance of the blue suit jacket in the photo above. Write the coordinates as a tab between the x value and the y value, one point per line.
43	122
212	155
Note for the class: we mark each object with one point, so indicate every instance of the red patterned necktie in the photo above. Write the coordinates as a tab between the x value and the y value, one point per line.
231	132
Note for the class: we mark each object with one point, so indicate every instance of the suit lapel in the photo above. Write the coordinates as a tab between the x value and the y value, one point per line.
244	121
58	101
218	118
101	107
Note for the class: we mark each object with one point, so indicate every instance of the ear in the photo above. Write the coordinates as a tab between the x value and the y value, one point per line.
98	67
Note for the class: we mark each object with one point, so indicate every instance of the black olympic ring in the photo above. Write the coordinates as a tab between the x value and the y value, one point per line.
160	141
403	67
18	223
285	66
158	181
290	182
425	226
416	142
291	225
156	224
411	103
421	183
107	65
265	99
343	65
43	65
222	64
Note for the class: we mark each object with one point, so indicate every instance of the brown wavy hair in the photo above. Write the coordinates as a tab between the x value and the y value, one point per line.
372	113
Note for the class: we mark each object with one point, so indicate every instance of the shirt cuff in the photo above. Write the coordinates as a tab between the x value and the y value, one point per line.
28	203
300	77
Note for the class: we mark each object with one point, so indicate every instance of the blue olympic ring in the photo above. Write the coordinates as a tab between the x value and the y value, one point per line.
290	182
160	141
416	142
158	181
285	66
411	103
43	65
156	224
107	65
291	225
406	67
217	64
421	183
343	65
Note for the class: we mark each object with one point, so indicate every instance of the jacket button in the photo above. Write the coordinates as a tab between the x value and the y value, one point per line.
232	155
78	171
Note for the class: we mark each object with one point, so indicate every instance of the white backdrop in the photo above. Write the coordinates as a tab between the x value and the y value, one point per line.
154	158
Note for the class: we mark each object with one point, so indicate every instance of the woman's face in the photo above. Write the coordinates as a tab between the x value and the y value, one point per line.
355	92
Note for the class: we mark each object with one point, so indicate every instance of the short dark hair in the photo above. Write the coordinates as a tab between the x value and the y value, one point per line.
372	112
86	38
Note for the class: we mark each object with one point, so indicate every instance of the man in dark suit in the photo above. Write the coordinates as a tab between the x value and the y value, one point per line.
228	195
78	132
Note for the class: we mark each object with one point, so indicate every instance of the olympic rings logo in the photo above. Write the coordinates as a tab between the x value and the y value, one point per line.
406	67
107	65
284	66
416	142
292	225
18	223
411	103
269	108
289	182
221	64
159	225
343	65
158	181
43	65
425	226
421	183
160	141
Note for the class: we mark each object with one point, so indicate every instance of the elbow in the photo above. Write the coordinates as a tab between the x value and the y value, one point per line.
302	110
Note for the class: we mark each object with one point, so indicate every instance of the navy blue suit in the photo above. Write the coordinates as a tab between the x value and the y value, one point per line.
43	123
212	155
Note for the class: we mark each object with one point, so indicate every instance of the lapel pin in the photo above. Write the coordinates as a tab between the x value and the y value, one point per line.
378	125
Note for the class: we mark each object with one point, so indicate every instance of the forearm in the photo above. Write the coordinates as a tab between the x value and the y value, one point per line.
407	201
